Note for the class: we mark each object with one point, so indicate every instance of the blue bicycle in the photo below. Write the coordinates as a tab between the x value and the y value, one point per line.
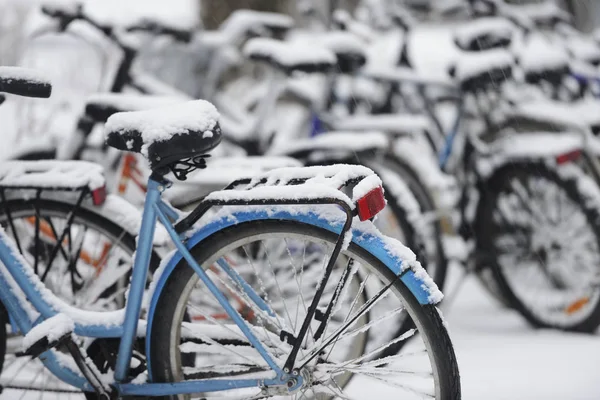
313	274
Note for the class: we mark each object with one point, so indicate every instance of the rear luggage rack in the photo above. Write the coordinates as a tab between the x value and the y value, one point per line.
52	175
319	185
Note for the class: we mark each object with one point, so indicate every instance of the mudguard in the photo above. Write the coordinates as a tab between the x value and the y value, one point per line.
398	258
542	146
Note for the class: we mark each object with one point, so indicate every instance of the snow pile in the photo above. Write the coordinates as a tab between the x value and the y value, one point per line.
583	48
343	42
160	124
539	54
493	26
302	183
9	74
51	174
53	328
470	65
339	42
365	186
289	54
183	14
242	22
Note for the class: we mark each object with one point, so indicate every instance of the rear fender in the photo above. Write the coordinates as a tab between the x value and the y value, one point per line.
398	258
528	147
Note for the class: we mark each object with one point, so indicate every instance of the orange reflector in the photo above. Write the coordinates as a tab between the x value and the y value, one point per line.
99	196
577	305
370	204
568	157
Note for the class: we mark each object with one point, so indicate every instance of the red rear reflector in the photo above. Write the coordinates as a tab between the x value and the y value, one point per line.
568	157
99	196
370	204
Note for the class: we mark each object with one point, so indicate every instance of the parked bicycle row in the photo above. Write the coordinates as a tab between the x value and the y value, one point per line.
263	260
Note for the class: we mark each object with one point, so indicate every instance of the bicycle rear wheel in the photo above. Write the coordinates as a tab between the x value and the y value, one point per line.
339	363
543	241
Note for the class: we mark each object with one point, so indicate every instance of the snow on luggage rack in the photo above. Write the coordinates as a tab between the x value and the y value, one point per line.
318	185
54	175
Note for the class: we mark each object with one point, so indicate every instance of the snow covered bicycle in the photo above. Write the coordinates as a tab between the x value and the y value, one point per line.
400	220
294	344
514	164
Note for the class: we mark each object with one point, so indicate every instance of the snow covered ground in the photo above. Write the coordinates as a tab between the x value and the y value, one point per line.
501	357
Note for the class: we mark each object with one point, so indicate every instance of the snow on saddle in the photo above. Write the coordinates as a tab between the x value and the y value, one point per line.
24	82
168	136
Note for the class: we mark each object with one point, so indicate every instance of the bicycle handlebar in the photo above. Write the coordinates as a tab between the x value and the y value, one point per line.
68	14
155	27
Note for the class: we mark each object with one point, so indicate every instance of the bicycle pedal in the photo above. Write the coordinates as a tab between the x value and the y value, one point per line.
47	335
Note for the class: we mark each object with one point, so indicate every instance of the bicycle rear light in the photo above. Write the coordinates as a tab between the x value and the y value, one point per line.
568	157
99	195
370	204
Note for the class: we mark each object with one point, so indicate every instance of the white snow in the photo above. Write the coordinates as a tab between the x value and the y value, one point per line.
183	14
475	63
289	54
363	187
583	48
334	141
501	357
321	181
339	42
51	173
129	217
53	329
131	102
489	26
22	74
160	124
405	75
417	153
275	193
241	22
578	114
221	171
538	53
343	42
388	123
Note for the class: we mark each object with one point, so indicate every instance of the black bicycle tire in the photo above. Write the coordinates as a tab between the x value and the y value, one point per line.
81	215
430	317
426	204
592	213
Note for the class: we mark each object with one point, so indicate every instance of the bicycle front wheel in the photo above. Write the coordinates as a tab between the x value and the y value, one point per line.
283	262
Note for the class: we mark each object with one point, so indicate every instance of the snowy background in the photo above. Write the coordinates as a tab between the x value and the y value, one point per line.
499	355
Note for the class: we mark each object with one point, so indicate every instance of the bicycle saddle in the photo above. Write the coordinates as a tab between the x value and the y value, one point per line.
290	56
480	70
484	34
24	82
168	135
348	49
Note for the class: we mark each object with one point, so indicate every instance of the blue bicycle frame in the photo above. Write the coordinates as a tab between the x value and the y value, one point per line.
47	307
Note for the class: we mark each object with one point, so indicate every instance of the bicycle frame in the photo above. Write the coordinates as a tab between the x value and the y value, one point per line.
116	324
